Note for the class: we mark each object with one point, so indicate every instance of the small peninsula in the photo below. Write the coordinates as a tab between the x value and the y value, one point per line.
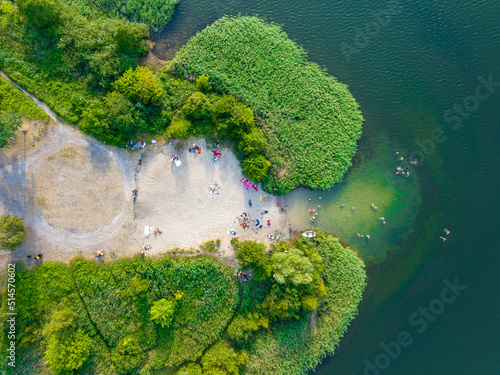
143	223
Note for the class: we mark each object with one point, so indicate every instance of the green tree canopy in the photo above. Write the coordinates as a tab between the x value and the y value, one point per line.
256	167
178	128
61	319
162	312
203	84
253	142
221	359
292	267
41	13
9	123
113	119
12	232
130	39
127	355
252	254
224	106
198	106
190	369
140	84
68	352
249	252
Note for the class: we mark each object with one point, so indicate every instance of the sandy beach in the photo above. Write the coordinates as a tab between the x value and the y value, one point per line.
76	197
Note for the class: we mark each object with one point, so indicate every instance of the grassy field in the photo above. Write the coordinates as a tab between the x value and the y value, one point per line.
311	121
13	100
98	318
112	303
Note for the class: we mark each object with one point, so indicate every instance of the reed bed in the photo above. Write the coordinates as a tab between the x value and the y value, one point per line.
311	121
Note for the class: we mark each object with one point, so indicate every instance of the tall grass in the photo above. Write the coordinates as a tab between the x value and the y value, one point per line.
11	99
311	121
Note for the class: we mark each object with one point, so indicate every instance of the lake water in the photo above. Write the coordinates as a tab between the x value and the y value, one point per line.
427	76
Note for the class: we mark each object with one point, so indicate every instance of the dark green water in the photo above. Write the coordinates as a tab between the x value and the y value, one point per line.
410	65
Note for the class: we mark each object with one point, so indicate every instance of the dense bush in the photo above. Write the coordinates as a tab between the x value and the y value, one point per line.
221	358
179	128
13	100
311	121
9	123
66	66
140	84
198	107
114	119
203	84
41	13
256	167
154	13
12	231
162	312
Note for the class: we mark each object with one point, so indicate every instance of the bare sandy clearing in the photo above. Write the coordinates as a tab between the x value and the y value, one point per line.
76	197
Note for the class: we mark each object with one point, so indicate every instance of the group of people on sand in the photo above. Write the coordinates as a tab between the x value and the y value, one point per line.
216	155
146	248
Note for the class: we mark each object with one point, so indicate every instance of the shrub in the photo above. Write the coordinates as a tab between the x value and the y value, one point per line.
179	128
162	312
6	7
198	107
203	84
253	142
244	325
221	358
12	232
41	13
256	167
131	40
9	123
140	84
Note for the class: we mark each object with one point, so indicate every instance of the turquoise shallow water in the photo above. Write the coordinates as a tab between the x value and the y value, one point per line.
427	77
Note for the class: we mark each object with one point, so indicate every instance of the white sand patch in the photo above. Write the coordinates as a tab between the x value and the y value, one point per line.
76	197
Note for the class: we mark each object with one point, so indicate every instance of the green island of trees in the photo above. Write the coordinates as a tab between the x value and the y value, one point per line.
311	121
191	315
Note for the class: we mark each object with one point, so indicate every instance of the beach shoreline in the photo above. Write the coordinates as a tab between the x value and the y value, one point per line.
177	200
